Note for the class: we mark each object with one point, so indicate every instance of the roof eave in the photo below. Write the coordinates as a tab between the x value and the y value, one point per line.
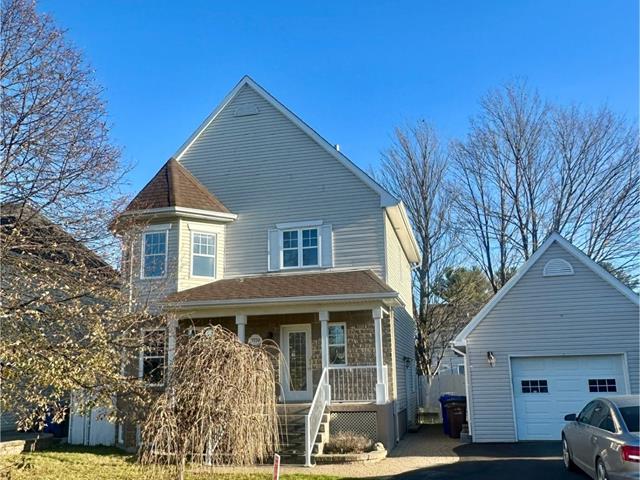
400	221
391	299
184	212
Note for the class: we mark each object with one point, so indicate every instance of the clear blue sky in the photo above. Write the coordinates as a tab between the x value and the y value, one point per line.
351	69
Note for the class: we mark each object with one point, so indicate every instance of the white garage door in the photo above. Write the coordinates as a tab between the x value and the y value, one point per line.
545	389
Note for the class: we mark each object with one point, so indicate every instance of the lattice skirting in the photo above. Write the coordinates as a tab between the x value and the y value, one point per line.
363	423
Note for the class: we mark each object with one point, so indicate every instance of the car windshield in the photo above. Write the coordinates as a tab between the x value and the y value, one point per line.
631	416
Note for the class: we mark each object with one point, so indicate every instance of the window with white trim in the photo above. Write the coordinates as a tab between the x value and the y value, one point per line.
153	359
337	344
300	248
154	248
203	254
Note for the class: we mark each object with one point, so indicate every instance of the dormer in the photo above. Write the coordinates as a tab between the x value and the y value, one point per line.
176	232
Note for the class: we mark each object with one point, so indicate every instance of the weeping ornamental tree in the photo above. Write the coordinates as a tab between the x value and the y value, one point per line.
218	408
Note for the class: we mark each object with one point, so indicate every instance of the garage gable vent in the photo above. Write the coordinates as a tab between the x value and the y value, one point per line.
557	267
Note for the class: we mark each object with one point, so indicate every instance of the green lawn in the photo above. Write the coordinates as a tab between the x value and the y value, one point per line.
102	463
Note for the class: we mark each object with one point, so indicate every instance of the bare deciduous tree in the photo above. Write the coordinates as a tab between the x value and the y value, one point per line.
415	170
528	168
54	137
65	321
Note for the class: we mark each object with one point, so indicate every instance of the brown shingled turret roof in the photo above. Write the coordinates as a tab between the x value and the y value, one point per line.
175	186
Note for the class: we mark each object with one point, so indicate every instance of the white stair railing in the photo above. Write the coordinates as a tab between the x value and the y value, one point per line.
313	419
355	383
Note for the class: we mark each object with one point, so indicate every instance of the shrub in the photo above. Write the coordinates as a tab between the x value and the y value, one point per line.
348	442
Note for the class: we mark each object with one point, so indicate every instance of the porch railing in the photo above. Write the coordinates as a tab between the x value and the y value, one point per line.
355	383
313	419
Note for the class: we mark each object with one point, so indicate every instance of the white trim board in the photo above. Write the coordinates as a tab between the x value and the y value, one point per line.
460	340
183	212
390	296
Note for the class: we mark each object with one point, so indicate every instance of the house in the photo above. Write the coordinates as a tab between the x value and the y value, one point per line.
560	332
260	225
41	267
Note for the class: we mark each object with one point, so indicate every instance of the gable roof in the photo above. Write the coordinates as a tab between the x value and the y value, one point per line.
394	206
175	186
42	238
386	199
570	248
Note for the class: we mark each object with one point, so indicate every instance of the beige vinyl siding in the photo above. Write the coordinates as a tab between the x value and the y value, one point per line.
580	314
405	333
268	171
149	291
398	268
185	279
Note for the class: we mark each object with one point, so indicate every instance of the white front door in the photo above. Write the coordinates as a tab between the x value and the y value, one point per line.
545	389
295	371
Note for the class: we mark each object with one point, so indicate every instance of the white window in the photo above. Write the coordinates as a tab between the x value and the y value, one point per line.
152	358
203	254
154	248
337	344
300	248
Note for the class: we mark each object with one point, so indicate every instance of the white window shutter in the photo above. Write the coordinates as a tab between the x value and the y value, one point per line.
274	250
327	245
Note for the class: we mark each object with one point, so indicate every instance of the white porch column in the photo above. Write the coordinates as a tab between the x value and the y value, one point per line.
241	322
324	337
382	396
323	315
172	326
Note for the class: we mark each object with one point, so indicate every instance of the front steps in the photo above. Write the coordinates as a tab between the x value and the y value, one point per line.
292	434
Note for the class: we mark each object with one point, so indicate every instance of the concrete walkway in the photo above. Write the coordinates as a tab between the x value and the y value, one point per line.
416	451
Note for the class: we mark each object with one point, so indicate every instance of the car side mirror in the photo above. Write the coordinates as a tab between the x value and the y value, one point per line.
570	418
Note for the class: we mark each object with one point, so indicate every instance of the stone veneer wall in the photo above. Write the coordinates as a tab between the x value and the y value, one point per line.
360	336
360	342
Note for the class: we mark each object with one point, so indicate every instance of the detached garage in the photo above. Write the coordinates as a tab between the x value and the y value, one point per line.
561	332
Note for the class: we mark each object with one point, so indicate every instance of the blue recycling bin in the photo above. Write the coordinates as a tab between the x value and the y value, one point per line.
444	399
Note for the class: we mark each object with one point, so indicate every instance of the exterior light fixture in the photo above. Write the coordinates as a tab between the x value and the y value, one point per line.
491	359
407	362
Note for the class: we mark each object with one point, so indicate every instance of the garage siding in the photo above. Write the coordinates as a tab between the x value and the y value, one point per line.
566	315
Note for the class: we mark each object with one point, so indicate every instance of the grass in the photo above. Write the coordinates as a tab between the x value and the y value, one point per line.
103	463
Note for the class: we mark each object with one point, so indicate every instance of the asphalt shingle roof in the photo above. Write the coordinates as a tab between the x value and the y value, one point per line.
266	286
175	186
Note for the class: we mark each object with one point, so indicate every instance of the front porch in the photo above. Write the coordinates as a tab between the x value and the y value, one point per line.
333	333
348	345
334	370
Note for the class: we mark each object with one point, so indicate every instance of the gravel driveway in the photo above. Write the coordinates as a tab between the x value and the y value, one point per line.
416	451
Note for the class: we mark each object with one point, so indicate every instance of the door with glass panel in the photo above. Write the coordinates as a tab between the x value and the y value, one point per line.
295	371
